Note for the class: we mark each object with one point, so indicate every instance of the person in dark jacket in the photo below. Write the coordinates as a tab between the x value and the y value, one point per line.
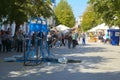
20	39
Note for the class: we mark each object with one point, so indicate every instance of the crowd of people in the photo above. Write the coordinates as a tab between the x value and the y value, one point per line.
16	42
8	42
104	37
70	40
101	37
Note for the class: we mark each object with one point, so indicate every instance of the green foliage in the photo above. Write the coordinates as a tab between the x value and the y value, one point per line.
21	10
89	19
108	10
64	14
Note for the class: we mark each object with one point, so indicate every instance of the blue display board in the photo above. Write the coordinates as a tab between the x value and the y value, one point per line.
114	36
37	25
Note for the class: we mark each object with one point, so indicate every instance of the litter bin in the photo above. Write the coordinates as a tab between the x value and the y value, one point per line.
114	36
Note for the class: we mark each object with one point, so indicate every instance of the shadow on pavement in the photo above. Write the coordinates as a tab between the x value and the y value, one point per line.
87	70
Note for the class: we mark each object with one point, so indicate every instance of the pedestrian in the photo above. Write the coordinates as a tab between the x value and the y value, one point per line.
49	39
20	39
83	38
7	41
4	37
63	40
107	37
74	39
0	41
100	37
69	40
15	41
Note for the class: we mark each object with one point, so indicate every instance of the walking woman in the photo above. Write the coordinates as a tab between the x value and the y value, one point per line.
83	39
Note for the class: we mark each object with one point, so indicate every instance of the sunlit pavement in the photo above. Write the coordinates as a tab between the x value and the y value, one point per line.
99	62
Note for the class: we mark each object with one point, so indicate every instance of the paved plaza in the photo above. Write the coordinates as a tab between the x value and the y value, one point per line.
99	62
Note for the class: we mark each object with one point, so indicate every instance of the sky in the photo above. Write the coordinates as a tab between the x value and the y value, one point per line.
78	6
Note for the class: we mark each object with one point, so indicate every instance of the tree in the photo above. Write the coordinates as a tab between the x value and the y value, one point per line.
89	19
108	10
64	14
21	10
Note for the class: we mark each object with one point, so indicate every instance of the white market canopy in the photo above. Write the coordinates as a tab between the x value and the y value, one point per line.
102	26
99	27
62	27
